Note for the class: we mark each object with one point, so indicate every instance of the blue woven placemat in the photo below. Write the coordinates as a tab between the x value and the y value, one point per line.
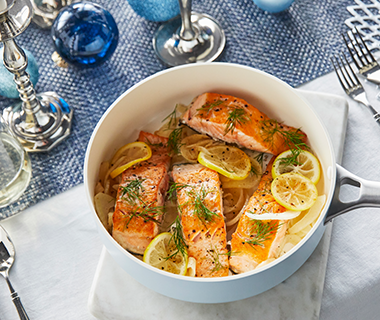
294	46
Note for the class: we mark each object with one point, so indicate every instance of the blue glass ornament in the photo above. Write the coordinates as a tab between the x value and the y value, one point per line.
155	10
8	87
273	6
85	34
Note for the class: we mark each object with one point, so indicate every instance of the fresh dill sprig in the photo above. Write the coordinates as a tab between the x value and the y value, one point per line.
215	257
260	157
160	144
132	191
237	116
208	107
147	212
172	119
197	199
174	188
215	254
178	239
292	138
174	141
261	232
200	209
254	171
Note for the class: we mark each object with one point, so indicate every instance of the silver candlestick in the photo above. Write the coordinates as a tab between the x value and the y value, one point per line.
39	121
191	38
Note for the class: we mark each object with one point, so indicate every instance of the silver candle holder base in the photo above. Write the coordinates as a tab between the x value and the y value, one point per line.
191	38
54	123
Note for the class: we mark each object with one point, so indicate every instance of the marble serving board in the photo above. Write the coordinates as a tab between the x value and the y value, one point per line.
116	295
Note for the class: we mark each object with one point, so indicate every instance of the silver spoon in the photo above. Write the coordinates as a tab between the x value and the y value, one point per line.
7	257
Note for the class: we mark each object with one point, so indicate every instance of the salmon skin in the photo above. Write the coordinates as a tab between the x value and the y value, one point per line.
204	230
141	196
234	120
255	241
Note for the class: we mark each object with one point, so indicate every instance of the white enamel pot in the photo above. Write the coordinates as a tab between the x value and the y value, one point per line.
144	106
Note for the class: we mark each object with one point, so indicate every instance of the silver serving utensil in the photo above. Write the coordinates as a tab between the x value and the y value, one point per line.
7	257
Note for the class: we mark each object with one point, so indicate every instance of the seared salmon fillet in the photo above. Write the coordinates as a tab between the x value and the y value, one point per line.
200	205
255	241
234	120
141	196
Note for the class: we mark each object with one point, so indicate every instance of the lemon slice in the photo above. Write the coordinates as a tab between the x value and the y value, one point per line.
158	252
308	165
228	161
294	191
129	155
251	182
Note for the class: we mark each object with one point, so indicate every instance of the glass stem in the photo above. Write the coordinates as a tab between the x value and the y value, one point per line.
187	32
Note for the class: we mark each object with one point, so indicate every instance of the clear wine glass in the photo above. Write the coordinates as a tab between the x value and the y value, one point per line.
190	38
15	167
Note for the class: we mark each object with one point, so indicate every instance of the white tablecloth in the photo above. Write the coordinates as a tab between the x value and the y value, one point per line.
58	248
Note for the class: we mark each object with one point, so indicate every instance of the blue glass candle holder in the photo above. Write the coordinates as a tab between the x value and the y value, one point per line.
155	10
273	6
8	87
85	34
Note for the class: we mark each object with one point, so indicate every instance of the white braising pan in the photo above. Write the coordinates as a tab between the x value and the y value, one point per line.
144	106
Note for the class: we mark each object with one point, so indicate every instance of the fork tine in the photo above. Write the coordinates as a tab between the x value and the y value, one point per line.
352	49
345	73
338	70
355	81
364	45
360	46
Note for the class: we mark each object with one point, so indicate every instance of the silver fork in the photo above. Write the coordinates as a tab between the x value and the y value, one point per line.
351	84
362	56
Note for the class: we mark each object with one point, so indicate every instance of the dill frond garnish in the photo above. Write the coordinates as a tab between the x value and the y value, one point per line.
174	188
132	191
214	255
254	171
178	239
208	107
148	212
260	158
174	141
292	138
200	209
197	199
237	116
172	119
261	232
158	145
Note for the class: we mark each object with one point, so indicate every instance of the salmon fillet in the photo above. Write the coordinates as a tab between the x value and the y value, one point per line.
135	221
204	231
213	114
255	241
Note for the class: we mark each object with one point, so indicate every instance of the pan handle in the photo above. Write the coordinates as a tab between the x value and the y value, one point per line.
369	195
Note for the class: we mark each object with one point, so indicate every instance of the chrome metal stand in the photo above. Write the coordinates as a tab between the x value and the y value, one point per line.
39	121
191	38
